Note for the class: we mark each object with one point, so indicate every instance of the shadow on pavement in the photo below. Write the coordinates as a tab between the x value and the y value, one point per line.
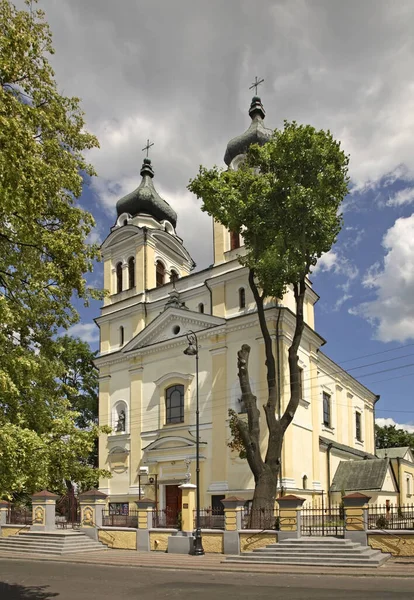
20	592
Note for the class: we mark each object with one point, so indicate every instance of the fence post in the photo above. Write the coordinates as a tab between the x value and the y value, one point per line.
92	504
233	514
4	509
356	517
43	511
290	516
145	516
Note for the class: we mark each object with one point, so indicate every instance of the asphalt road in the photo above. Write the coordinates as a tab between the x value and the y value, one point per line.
32	580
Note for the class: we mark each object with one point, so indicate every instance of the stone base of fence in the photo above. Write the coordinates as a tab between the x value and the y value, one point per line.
250	539
9	530
181	542
395	542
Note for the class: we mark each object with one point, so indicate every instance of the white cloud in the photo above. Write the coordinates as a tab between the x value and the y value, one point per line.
405	196
392	310
382	422
341	301
335	262
88	332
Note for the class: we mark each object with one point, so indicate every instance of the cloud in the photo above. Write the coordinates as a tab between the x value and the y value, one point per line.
88	332
335	262
382	422
405	196
392	310
178	73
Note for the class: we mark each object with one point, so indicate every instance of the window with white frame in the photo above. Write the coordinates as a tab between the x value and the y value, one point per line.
327	417
358	426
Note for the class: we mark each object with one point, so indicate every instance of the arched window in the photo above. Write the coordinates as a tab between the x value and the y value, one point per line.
305	482
131	272
173	276
160	273
125	222
119	277
242	298
121	336
201	308
174	404
234	240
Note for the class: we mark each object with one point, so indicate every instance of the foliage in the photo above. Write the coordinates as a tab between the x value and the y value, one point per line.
43	257
284	199
391	437
381	522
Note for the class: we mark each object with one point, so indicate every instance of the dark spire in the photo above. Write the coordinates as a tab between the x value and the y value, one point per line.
146	200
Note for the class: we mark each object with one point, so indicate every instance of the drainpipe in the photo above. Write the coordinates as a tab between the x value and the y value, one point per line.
211	296
145	274
328	459
373	422
279	391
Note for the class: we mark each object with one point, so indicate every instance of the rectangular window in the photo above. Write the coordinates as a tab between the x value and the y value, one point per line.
358	428
300	383
174	404
326	409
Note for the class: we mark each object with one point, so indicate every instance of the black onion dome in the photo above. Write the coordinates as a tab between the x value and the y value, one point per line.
145	199
256	134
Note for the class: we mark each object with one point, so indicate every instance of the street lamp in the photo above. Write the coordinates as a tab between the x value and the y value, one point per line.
192	350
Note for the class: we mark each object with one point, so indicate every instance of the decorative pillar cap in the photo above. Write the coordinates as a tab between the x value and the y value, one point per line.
4	504
44	494
145	503
187	486
92	494
290	501
355	499
233	502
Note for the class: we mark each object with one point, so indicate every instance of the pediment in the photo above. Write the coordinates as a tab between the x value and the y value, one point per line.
119	235
169	442
173	324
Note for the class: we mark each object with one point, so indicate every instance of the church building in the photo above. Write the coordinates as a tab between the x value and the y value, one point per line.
147	389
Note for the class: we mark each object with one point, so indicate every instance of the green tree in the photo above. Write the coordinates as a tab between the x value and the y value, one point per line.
43	256
391	437
284	199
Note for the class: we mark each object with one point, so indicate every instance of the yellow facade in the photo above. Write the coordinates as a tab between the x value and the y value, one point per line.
143	335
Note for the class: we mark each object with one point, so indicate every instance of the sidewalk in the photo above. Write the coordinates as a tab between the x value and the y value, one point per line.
395	567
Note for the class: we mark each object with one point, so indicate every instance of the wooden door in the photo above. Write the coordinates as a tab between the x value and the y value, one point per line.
172	503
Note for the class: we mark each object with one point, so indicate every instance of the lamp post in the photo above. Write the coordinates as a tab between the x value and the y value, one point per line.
192	350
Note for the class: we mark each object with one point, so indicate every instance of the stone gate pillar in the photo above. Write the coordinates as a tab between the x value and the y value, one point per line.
92	504
4	509
233	514
356	517
145	521
43	511
290	513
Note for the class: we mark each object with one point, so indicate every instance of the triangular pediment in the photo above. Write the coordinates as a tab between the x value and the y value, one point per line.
170	442
173	324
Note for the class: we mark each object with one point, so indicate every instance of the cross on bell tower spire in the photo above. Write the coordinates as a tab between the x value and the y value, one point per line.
148	146
256	84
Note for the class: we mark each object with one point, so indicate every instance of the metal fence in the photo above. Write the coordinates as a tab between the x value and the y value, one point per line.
166	518
321	520
260	518
19	515
210	518
110	519
391	516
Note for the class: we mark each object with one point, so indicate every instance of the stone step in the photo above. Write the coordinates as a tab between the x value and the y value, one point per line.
309	561
310	546
317	540
86	545
41	550
51	543
291	552
257	556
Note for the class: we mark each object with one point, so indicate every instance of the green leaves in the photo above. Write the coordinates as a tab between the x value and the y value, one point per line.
284	199
43	253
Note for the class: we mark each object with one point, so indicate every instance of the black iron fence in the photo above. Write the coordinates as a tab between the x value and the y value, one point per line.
260	518
210	518
19	515
109	519
321	520
166	518
391	516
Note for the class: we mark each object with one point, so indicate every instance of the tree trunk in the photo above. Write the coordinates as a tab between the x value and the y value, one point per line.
262	515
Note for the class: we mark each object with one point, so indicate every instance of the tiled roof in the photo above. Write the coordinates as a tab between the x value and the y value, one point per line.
354	475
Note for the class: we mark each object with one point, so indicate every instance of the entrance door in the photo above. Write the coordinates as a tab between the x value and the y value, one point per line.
172	504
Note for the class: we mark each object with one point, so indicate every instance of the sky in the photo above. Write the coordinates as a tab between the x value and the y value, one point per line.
178	72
